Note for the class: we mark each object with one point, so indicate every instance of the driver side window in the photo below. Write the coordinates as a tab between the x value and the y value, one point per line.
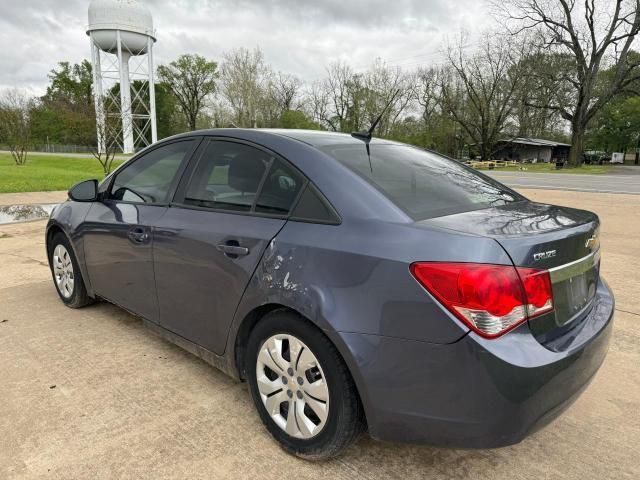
149	178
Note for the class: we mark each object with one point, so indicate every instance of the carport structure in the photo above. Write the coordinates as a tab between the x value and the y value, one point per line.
531	149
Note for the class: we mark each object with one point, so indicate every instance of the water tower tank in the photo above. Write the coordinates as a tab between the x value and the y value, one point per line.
129	16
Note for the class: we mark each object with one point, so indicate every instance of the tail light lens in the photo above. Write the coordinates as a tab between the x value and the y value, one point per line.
490	299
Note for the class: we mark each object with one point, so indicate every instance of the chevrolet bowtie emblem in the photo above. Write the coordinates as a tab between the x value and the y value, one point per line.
591	241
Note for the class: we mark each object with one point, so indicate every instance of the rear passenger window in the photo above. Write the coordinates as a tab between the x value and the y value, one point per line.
280	189
228	176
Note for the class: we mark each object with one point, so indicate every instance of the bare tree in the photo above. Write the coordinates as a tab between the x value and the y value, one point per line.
347	101
339	88
15	125
105	151
535	90
384	84
477	90
244	81
318	103
427	92
286	90
191	79
591	37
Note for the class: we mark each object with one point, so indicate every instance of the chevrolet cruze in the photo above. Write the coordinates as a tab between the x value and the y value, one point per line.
355	284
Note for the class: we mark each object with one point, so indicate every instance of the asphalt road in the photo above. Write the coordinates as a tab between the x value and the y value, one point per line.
92	394
628	183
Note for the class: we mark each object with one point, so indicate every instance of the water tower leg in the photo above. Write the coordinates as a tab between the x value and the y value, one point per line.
125	97
152	92
101	129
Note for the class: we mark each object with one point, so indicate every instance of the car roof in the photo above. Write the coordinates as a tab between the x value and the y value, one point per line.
320	138
314	138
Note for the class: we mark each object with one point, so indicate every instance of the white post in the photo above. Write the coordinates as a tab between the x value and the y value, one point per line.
152	91
125	97
101	129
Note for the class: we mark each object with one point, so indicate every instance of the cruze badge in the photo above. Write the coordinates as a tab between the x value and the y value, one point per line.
544	255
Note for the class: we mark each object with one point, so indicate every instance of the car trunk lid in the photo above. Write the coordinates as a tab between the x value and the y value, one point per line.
562	240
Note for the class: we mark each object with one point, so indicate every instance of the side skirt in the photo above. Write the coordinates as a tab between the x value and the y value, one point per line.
218	361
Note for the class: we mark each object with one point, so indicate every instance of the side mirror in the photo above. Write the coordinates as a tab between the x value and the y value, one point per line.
86	191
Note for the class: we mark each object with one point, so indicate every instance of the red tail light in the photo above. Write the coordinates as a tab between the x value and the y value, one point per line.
491	299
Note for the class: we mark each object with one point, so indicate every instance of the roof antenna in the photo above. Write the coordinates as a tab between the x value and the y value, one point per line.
366	136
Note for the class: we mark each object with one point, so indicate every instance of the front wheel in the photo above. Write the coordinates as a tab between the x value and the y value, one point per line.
301	387
66	273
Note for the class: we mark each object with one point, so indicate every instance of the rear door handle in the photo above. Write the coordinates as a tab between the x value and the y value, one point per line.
138	235
232	249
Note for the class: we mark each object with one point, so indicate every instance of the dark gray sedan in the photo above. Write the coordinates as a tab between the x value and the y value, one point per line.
354	285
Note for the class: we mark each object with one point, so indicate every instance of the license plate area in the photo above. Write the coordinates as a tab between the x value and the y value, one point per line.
574	287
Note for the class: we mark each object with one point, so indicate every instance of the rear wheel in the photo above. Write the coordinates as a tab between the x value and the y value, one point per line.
301	387
66	273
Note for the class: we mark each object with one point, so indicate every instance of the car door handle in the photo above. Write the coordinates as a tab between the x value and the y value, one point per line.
232	249
138	235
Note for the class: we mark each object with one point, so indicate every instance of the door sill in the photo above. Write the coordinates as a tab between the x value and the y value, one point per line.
218	361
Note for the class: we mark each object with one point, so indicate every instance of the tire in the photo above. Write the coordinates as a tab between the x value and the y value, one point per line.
66	274
344	415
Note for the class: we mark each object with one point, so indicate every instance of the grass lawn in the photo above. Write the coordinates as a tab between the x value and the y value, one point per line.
47	172
551	168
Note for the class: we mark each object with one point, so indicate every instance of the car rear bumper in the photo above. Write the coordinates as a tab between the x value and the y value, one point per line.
475	393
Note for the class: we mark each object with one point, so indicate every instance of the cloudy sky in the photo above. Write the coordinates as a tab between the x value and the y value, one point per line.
299	37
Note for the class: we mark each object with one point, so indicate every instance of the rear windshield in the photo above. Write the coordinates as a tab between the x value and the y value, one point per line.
423	184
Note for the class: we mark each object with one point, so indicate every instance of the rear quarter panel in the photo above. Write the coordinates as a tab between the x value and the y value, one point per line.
355	277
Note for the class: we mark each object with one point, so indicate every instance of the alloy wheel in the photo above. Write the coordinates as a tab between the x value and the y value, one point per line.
292	386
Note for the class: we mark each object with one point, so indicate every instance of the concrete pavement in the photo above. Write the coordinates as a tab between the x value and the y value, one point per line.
627	183
92	394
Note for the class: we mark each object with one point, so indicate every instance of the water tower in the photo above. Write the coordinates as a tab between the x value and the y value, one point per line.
122	38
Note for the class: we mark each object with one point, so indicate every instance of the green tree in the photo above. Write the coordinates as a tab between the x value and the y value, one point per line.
169	120
65	113
191	79
72	84
617	125
297	119
15	124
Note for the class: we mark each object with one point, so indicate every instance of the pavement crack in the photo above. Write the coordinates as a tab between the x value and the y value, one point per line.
627	311
25	257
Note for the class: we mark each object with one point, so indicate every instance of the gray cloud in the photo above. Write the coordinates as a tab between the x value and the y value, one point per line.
300	37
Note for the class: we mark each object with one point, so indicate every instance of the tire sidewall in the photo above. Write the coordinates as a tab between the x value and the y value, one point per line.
283	322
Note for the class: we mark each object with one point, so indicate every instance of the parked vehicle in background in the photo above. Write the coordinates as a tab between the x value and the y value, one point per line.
354	284
617	157
594	157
